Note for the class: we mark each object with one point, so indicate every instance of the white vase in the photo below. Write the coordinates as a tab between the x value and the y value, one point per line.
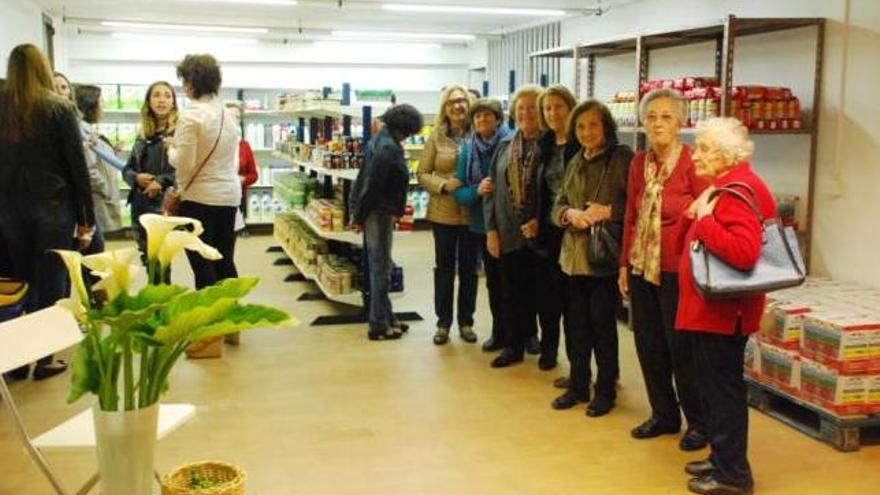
126	445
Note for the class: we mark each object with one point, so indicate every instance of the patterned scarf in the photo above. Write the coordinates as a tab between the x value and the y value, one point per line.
525	156
645	253
480	151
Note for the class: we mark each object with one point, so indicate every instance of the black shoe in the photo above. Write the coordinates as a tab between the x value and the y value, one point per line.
546	363
43	371
20	373
653	428
441	336
492	345
708	485
506	358
389	334
568	400
561	382
600	406
693	440
699	468
466	332
533	346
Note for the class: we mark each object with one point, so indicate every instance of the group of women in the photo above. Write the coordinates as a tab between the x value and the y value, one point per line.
57	192
567	220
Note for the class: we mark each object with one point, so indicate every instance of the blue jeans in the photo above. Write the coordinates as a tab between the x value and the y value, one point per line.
378	236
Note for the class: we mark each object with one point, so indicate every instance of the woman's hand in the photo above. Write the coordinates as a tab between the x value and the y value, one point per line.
144	180
84	235
486	187
450	185
153	190
623	283
596	213
576	219
529	229
703	206
493	244
704	197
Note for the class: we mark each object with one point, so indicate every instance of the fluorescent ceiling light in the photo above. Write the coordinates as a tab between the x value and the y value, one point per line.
283	3
386	35
374	45
186	39
186	27
461	9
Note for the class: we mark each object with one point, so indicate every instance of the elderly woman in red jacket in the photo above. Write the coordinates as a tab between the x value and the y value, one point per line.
718	328
661	186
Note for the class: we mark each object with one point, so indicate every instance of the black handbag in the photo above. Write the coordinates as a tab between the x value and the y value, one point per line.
780	265
603	247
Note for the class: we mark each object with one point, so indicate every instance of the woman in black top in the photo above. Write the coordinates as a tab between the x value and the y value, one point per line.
147	171
44	184
378	199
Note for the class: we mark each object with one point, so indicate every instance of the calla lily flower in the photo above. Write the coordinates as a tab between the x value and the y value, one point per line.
75	307
178	240
159	226
73	262
116	269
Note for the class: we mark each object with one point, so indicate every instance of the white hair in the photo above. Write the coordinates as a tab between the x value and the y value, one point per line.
729	135
672	94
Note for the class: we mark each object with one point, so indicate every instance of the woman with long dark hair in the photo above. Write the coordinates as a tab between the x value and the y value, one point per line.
44	183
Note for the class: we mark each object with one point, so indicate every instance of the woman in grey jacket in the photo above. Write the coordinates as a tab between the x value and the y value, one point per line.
511	212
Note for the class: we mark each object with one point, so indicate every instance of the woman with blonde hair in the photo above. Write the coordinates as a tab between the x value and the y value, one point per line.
454	245
44	183
511	212
148	172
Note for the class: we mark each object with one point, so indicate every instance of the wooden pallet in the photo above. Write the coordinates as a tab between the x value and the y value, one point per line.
844	434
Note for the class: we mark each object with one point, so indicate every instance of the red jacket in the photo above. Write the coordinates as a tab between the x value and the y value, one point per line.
734	234
680	190
247	165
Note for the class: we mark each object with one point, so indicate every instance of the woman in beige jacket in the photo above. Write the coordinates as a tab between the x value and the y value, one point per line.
453	242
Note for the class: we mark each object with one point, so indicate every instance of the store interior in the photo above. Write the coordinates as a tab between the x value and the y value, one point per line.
316	408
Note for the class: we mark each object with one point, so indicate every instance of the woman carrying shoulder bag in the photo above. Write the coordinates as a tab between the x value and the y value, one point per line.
203	153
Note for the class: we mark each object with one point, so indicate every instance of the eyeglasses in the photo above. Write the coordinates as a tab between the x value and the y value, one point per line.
665	118
456	101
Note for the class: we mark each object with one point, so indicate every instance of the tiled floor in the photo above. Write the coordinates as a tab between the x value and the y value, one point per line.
321	410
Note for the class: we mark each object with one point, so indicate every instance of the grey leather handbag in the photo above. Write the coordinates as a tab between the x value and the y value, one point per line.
780	264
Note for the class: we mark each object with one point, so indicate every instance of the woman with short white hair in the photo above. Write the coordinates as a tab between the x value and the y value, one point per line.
661	186
725	220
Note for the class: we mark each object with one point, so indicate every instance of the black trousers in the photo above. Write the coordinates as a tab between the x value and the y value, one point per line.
455	246
718	361
663	353
219	225
592	327
493	289
519	296
551	293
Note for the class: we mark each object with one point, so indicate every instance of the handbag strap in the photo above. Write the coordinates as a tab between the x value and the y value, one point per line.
211	153
749	200
604	171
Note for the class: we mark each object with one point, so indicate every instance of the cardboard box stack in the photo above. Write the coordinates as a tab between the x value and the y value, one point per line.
821	343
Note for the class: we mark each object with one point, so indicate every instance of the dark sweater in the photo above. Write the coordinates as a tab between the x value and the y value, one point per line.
148	156
49	167
549	235
381	184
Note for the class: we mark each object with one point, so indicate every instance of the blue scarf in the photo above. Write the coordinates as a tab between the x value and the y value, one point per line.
480	151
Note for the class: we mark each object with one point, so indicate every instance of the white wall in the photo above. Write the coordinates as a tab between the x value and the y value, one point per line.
20	22
416	72
847	205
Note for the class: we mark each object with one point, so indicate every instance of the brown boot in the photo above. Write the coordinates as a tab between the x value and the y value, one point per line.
232	338
203	349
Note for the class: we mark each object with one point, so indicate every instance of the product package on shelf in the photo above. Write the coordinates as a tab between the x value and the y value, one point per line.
293	188
131	97
328	215
781	368
843	395
766	107
844	340
752	361
110	96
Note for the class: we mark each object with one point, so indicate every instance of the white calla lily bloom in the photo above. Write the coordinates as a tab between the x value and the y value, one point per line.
178	240
73	262
75	307
116	268
159	226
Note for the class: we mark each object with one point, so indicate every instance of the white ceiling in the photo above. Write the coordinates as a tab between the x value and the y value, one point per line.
315	15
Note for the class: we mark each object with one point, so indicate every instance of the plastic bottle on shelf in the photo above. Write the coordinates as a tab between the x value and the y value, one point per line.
254	210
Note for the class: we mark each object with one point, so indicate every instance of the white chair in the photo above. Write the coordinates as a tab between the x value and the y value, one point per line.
28	338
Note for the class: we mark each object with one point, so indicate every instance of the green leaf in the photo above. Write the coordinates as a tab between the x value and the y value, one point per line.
84	376
233	288
243	317
124	311
184	323
144	340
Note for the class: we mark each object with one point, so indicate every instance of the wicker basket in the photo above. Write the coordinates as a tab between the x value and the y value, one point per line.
177	482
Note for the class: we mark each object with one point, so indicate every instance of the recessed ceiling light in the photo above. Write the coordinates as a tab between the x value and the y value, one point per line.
186	27
186	39
392	35
462	9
